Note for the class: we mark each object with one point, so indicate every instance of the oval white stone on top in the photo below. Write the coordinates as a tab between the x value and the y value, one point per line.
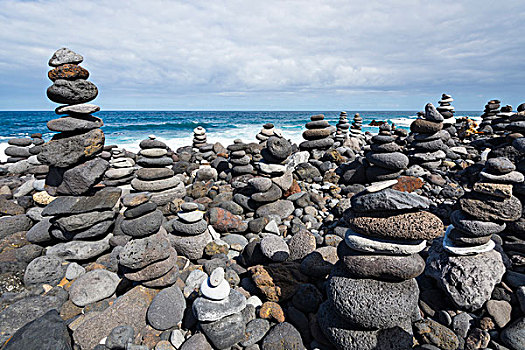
383	246
449	246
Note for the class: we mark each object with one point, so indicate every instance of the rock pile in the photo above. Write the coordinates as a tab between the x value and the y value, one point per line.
447	112
489	114
189	231
502	120
199	137
317	135
154	176
148	257
240	161
74	167
428	147
467	245
219	311
267	131
372	291
385	156
341	134
275	154
121	168
22	156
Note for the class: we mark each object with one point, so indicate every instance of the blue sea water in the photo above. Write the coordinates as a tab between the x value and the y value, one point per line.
127	128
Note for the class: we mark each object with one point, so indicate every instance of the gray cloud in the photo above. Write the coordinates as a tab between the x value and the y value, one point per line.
271	54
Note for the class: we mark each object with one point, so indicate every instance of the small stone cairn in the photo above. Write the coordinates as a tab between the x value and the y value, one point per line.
502	120
341	134
489	114
154	176
189	232
267	131
464	263
428	147
240	161
148	257
199	137
317	135
219	311
385	156
372	291
121	168
22	155
447	111
517	121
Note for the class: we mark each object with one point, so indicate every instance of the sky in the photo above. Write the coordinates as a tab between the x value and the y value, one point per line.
268	55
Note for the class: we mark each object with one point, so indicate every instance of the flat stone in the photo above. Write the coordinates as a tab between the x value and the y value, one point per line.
467	280
93	286
488	209
388	199
392	268
500	311
281	208
154	162
167	309
473	227
219	292
411	225
499	166
65	56
382	246
13	224
65	150
138	253
144	225
153	152
394	160
452	248
425	126
191	217
370	303
166	280
140	210
260	184
69	124
211	310
193	229
153	270
83	108
513	177
135	199
80	250
492	189
72	92
148	174
381	185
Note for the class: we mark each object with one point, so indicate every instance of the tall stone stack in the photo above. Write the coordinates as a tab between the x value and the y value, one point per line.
372	292
121	168
74	167
489	114
267	131
148	257
447	112
341	134
199	137
240	161
189	232
465	264
154	176
317	135
502	120
219	311
428	148
385	156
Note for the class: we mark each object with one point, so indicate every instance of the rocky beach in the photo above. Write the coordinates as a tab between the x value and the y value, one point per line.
408	238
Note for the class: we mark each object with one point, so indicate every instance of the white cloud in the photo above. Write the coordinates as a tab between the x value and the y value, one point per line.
160	50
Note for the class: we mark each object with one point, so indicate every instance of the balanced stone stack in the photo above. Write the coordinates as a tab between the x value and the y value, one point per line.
18	149
267	131
219	311
428	147
148	257
199	137
517	121
154	177
22	156
275	153
447	112
502	120
189	232
121	168
240	161
385	156
372	292
465	264
489	114
341	134
317	135
356	136
74	167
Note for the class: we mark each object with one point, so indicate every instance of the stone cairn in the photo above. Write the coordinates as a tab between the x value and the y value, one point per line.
372	292
341	134
81	215
219	311
22	156
447	112
267	131
502	120
189	231
240	161
385	156
489	114
154	176
121	168
428	147
148	257
199	137
465	264
517	121
317	135
19	149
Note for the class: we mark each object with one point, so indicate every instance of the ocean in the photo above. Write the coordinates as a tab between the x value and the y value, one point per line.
128	128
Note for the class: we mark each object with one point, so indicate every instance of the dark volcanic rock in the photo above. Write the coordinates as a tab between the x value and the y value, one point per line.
65	150
225	332
79	180
13	224
282	336
144	225
388	200
166	309
72	92
488	209
104	199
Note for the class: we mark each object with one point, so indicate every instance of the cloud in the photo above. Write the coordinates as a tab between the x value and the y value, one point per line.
272	54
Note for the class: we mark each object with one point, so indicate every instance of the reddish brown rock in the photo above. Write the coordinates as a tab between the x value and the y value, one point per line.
271	310
224	221
68	72
408	184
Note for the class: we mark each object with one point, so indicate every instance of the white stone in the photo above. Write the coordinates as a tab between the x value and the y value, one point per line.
255	301
39	185
381	185
191	217
195	278
216	277
383	246
220	292
272	227
451	248
74	270
153	152
176	338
